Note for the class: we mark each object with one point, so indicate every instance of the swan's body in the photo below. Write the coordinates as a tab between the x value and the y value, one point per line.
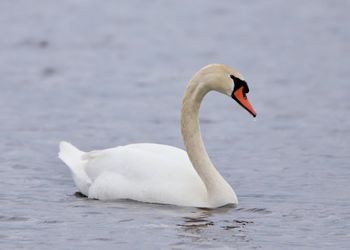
159	173
165	176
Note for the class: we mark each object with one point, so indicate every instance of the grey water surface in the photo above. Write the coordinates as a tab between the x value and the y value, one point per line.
106	73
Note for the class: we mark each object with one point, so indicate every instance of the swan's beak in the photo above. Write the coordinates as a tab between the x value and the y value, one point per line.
240	97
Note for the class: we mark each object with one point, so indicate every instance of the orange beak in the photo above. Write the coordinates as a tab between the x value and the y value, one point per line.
242	99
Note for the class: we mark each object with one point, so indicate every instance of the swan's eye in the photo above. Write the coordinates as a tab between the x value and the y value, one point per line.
238	83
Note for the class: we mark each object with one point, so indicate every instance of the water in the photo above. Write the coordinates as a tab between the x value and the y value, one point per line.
101	74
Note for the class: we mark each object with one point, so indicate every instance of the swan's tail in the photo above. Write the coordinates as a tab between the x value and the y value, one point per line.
73	158
70	155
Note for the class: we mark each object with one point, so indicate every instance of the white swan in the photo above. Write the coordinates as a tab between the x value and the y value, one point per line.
159	173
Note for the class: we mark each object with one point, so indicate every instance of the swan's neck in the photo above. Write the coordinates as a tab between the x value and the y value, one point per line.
218	190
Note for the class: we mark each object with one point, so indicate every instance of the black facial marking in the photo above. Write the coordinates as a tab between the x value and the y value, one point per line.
240	83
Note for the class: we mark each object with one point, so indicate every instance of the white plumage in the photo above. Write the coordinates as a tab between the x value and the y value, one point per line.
159	173
144	172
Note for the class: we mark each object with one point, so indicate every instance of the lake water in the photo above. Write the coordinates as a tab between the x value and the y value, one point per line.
107	73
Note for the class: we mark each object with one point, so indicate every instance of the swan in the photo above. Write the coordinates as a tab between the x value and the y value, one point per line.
157	173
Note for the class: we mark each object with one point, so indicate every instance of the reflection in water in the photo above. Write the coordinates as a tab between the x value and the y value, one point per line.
205	226
255	210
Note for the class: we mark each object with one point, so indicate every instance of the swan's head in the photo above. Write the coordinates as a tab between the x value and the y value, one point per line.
229	82
239	93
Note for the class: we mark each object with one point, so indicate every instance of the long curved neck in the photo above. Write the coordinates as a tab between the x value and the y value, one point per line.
217	187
